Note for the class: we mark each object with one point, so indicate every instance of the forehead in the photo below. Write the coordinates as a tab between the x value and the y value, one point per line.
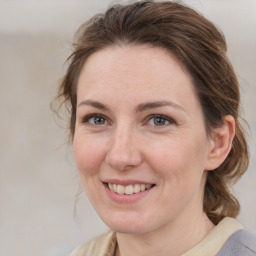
134	71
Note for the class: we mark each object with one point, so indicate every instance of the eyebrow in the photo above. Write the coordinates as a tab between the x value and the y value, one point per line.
156	104
140	108
94	104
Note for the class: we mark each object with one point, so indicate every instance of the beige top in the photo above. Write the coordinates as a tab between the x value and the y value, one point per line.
105	244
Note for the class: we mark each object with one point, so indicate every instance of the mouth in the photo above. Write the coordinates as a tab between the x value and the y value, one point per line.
128	189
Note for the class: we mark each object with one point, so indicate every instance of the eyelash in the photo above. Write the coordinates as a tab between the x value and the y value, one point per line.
87	118
165	118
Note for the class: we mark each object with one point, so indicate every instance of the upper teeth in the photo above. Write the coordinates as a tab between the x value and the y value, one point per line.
128	190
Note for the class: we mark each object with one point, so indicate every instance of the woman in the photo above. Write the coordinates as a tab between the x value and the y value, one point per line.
155	127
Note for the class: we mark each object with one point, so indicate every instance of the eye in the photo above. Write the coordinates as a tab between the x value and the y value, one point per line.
94	119
160	120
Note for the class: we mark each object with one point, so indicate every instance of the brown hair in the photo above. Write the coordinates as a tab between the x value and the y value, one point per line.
201	49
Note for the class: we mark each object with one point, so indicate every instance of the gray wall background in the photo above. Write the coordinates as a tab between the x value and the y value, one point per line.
38	178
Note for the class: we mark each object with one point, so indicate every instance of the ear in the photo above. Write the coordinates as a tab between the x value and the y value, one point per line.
220	143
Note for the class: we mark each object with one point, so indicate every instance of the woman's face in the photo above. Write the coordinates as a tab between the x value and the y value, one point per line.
140	143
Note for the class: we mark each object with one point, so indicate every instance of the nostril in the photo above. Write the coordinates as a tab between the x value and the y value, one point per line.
123	160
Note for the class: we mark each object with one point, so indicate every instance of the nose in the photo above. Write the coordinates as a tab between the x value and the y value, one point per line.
123	152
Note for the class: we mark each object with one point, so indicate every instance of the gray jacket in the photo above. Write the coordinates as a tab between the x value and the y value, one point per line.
241	243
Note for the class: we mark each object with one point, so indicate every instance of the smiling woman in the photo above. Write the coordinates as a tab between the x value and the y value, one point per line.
156	132
145	122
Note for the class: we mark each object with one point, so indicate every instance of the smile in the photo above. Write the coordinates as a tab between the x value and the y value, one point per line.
129	189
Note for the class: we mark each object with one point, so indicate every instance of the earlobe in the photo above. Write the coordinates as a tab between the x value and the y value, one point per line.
220	143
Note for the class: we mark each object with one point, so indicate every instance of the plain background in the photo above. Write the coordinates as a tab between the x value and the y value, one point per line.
38	178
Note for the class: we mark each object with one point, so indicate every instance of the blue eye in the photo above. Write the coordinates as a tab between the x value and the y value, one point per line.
94	119
98	120
160	120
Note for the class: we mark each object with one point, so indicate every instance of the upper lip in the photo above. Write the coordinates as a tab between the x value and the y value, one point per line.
126	182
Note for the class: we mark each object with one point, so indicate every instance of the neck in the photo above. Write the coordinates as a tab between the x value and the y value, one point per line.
173	239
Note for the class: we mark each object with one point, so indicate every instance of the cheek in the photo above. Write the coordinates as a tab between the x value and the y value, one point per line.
179	157
88	154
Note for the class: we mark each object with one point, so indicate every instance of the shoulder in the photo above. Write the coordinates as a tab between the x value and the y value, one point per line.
103	244
241	243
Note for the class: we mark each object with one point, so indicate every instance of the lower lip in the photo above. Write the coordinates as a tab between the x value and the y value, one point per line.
122	198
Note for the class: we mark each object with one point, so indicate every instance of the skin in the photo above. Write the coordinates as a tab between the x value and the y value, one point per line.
126	142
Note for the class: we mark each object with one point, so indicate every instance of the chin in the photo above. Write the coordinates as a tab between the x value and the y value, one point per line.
126	223
127	228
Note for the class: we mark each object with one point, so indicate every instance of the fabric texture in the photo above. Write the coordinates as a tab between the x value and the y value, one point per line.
226	239
213	242
102	245
241	243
